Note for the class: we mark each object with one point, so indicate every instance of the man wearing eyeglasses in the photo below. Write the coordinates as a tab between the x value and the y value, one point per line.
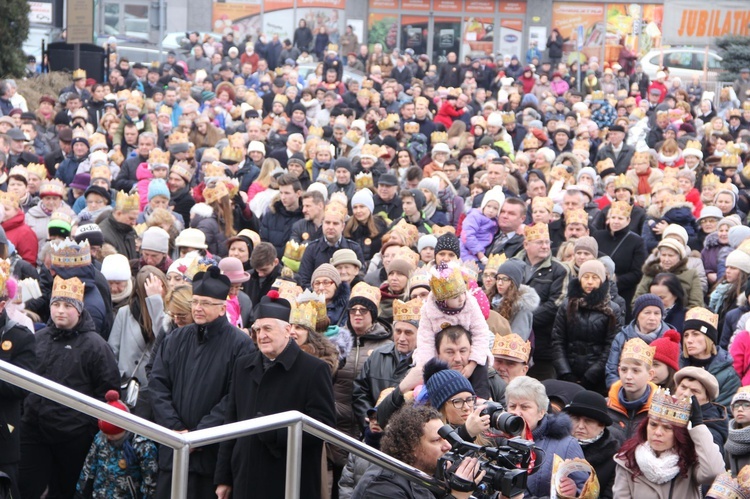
189	381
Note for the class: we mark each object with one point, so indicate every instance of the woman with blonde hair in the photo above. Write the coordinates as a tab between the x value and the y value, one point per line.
263	189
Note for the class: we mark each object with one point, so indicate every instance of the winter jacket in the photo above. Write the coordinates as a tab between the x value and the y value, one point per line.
181	202
337	308
522	312
714	254
476	234
22	237
67	169
628	333
599	455
379	483
97	299
715	418
675	316
739	349
693	263
626	421
689	278
709	463
622	161
721	366
370	245
585	326
80	359
343	386
319	252
276	225
38	220
737	448
681	214
205	221
352	474
119	235
470	318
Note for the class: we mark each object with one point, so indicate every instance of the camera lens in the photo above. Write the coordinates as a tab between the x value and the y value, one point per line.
506	422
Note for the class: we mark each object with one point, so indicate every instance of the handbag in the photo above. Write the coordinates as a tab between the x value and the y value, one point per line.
131	388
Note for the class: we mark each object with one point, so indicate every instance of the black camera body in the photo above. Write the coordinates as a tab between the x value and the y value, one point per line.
501	420
506	467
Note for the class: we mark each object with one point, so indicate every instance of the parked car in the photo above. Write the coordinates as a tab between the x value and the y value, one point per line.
147	52
684	62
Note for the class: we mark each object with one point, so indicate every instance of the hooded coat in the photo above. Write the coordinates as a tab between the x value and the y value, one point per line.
522	311
205	221
118	234
689	278
713	253
22	237
477	233
680	214
276	224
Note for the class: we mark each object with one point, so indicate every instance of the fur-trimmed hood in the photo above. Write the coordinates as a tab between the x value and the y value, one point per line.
528	299
341	339
575	162
674	213
554	426
202	210
712	240
651	269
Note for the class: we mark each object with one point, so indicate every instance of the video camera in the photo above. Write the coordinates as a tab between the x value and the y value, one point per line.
506	467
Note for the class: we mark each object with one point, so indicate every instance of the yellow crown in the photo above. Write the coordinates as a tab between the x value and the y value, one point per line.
165	110
233	154
494	261
69	253
419	278
605	164
100	172
671	171
318	300
733	148
542	202
79	74
407	231
411	127
669	409
70	289
734	113
406	254
509	117
135	101
577	217
438	137
582	145
364	290
38	170
214	170
332	47
447	281
363	181
294	250
237	140
637	349
304	314
157	157
363	92
620	208
438	230
315	131
9	198
640	157
729	161
281	99
98	158
53	187
178	138
367	83
96	140
127	202
59	215
746	105
536	232
390	121
623	182
369	150
4	275
407	311
703	315
288	290
182	168
116	157
512	346
531	142
198	265
19	171
726	487
710	179
336	210
597	95
216	192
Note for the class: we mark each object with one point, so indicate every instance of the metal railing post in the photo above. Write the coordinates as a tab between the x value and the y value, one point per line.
293	460
180	470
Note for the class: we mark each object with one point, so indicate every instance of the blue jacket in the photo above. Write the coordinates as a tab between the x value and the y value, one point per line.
67	169
628	333
477	233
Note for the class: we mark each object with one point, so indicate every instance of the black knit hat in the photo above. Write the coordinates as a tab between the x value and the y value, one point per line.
272	306
647	300
211	283
419	199
101	191
591	405
448	242
342	163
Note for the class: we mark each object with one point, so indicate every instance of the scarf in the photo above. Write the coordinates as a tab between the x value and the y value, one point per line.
657	469
738	441
446	197
633	405
120	297
429	209
668	160
719	294
589	441
643	186
302	124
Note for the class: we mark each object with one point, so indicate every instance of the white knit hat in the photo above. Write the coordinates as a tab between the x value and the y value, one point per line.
364	197
495	194
676	230
739	259
116	268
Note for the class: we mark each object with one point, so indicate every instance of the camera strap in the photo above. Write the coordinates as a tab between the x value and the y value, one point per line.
460	484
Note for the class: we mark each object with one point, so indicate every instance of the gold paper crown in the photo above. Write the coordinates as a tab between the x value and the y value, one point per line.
439	137
447	282
406	254
79	74
513	347
116	157
232	154
363	180
420	277
19	171
623	182
411	127
62	216
746	105
4	275
363	92
68	253
509	117
100	172
305	312
178	138
620	208
729	161
70	289
581	145
710	179
281	99
97	139
407	311
726	487
165	110
542	202
577	217
364	290
214	170
98	158
597	95
671	171
605	164
337	210
135	100
640	157
390	121
288	290
38	170
315	131
216	192
237	140
9	198
332	47
531	142
637	349
494	261
438	230
662	114
733	148
294	251
367	83
127	202
703	315
536	232
669	409
53	187
80	133
409	232
734	113
182	168
371	150
318	300
157	157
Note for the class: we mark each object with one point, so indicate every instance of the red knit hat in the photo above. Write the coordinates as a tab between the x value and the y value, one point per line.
113	399
668	349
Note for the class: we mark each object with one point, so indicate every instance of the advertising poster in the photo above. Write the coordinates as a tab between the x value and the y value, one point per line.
566	17
697	22
479	36
414	33
281	18
243	18
383	29
511	31
634	27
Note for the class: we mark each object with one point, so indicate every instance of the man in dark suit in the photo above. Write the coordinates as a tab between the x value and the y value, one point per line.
616	149
294	144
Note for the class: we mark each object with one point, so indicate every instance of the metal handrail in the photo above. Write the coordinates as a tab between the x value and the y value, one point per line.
182	443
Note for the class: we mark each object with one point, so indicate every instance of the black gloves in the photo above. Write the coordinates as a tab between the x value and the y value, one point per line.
696	414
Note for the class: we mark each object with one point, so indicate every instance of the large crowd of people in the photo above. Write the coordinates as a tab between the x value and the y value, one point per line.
225	237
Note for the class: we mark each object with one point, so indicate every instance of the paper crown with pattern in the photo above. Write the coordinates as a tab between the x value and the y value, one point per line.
581	145
409	311
37	169
494	261
542	202
406	254
637	349
439	230
623	182
233	154
53	187
704	315
577	216
69	254
4	276
116	157
177	138
281	99
215	192
669	409
597	95
68	289
332	47
127	202
363	180
157	157
288	290
509	117
237	140
438	137
605	164
364	290
79	74
447	281
536	232
408	232
389	122
336	210
620	208
98	140
411	127
315	131
726	487
730	161
531	142
61	215
294	250
694	144
307	309
419	278
164	110
710	179
102	171
640	157
370	151
9	198
512	347
183	169
214	170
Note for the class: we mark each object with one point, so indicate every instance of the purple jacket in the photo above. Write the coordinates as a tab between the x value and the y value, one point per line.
476	234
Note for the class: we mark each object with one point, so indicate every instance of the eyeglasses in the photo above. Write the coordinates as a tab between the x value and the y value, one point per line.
502	279
178	317
323	283
489	275
459	403
358	311
541	242
741	405
205	303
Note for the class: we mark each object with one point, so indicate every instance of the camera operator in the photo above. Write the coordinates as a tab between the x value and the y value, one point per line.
412	437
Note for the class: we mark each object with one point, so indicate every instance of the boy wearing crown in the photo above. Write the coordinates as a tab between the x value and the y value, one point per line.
56	439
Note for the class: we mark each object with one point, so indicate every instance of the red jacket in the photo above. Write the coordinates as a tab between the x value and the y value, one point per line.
447	113
22	237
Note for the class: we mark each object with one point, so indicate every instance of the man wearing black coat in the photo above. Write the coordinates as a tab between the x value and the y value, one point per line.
616	149
449	74
276	224
190	379
276	378
126	179
181	199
